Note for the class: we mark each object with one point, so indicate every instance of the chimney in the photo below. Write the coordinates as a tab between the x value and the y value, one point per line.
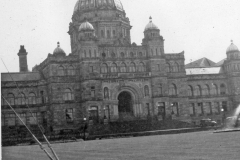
23	67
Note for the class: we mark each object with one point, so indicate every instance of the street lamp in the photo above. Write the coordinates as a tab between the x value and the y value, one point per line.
223	116
84	128
172	105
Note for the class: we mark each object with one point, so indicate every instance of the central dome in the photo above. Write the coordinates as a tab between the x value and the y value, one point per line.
84	5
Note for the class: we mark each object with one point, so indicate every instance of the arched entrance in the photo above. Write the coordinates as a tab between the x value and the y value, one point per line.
125	103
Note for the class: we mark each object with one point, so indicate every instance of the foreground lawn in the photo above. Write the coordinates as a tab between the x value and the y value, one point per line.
188	146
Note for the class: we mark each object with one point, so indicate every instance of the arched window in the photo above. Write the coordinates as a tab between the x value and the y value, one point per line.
175	67
61	71
21	99
131	55
108	34
102	34
172	90
198	90
140	54
106	93
114	68
122	55
132	67
146	90
206	90
168	68
90	53
85	54
123	68
104	68
11	99
190	91
114	32
71	71
159	89
152	52
214	89
141	67
95	53
113	55
31	98
68	96
223	89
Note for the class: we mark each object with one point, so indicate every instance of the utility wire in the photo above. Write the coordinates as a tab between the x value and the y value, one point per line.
35	138
48	143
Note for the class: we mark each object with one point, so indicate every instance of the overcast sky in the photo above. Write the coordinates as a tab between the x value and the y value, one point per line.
202	28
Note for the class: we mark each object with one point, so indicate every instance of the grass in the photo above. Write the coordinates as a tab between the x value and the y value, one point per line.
188	146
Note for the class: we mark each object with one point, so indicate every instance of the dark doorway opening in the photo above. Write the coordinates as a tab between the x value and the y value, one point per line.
125	102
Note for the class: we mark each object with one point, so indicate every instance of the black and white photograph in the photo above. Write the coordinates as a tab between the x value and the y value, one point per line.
120	79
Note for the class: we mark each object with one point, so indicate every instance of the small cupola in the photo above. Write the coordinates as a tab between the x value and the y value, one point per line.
232	48
58	51
150	25
86	26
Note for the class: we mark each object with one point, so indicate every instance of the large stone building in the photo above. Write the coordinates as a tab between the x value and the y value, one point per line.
108	77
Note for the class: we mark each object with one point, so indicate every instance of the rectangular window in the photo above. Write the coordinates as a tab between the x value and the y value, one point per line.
217	108
42	97
92	92
3	119
11	119
93	114
224	106
158	67
209	108
69	115
107	112
91	69
44	117
200	109
192	109
33	119
175	109
148	108
24	119
161	108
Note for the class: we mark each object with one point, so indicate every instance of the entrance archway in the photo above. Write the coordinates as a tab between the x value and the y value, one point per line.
125	103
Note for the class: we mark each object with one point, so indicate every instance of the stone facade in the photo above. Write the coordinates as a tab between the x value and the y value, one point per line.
105	71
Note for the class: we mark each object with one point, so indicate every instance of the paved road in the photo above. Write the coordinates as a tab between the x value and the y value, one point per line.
187	146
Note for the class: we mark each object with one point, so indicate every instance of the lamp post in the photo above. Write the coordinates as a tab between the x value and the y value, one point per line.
223	116
84	128
172	113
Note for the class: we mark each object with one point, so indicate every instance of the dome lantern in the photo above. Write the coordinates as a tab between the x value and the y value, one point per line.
86	5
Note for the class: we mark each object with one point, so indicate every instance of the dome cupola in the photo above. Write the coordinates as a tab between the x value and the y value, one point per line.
86	26
232	48
58	51
151	25
88	5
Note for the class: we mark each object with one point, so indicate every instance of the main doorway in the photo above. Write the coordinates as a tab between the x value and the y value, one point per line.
125	103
